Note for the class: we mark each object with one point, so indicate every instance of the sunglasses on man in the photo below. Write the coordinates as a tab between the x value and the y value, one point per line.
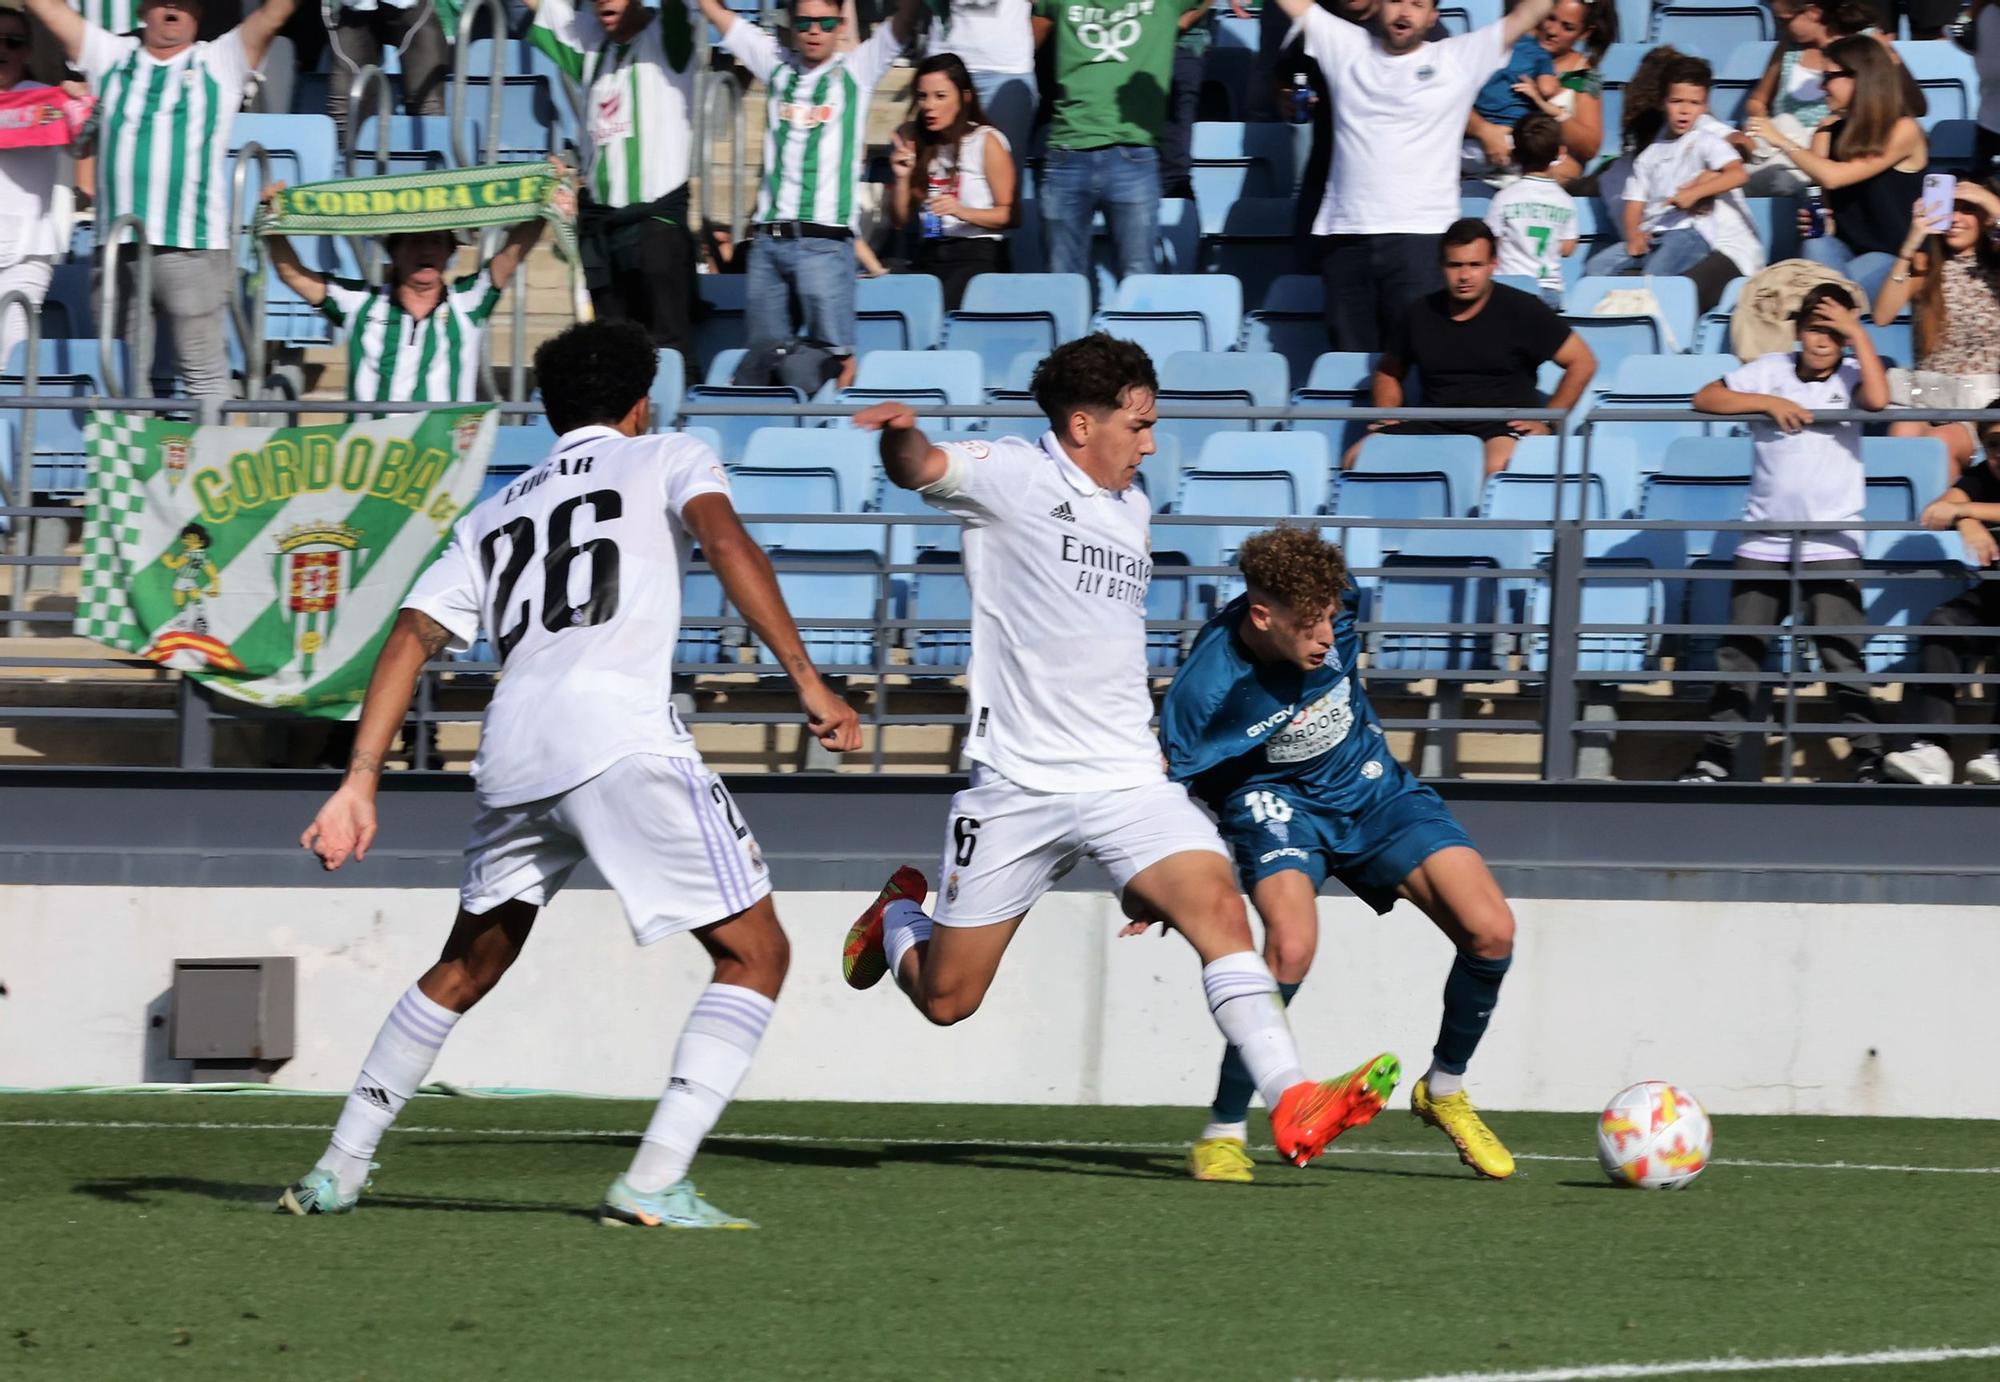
825	23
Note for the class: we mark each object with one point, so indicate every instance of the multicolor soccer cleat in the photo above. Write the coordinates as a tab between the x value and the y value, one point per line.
677	1206
318	1192
1309	1116
863	962
1220	1158
1456	1118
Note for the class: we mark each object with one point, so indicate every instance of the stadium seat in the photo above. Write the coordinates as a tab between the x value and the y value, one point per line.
1518	496
897	312
718	322
1226	379
1419	586
1659	381
1909	574
1671	328
1696	499
941	596
847	586
301	148
1712	31
1708	458
1176	245
1392	497
1233	464
1160	473
516	59
1005	316
669	384
1620	61
1252	242
1228	67
1921	461
1613	464
1947	76
1735	77
1290	320
1170	312
1895	342
1606	598
1231	160
1954	145
909	542
415	144
532	123
830	469
702	599
1712	333
735	430
59	462
1460	459
919	377
1776	221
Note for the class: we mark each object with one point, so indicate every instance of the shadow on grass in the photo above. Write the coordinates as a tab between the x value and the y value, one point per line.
141	1190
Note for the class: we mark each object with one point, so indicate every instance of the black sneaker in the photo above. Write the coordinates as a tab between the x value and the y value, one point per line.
1703	770
1868	768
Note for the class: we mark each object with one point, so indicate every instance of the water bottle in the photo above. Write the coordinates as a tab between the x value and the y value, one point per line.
1301	99
933	225
1815	212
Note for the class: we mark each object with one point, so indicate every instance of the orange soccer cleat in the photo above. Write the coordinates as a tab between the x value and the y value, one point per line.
1309	1116
863	961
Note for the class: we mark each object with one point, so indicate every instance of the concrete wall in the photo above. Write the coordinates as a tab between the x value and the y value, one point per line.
1756	1007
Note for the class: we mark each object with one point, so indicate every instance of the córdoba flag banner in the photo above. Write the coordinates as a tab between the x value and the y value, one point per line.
269	562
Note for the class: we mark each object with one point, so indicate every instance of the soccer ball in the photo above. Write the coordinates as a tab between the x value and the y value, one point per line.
1654	1136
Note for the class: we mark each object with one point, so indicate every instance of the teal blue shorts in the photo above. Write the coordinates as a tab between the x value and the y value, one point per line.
1273	827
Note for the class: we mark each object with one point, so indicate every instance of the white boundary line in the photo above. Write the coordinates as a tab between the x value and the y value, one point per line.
977	1143
1712	1367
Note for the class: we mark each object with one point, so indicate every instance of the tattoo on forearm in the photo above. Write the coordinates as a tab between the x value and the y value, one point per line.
364	762
799	666
432	635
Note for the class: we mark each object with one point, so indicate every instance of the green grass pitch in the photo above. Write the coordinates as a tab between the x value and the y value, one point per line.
906	1241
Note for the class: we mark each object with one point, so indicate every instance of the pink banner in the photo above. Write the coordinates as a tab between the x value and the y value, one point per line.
41	118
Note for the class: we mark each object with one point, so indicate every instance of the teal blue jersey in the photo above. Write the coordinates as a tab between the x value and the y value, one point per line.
1229	721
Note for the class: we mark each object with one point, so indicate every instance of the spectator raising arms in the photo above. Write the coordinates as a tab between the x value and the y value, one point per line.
1399	107
165	105
1957	326
1113	67
30	241
955	179
1805	472
1477	344
1869	155
1684	208
815	111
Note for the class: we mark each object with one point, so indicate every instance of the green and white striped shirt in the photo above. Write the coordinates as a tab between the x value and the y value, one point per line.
638	121
119	16
163	135
393	357
815	129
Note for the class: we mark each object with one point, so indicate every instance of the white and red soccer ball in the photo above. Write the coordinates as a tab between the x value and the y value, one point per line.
1654	1136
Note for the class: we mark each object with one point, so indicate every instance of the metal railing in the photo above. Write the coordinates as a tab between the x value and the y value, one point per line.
1531	644
108	317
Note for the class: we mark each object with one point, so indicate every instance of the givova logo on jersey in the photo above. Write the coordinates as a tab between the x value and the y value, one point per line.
804	115
1319	727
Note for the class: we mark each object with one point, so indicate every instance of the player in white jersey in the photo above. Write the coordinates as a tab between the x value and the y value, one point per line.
1058	553
815	137
418	338
165	107
636	66
574	571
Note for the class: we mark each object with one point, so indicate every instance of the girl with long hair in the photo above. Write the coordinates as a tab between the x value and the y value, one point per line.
955	179
1792	91
1954	279
1869	154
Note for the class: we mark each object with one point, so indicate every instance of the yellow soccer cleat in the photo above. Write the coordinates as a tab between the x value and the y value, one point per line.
1221	1158
1456	1118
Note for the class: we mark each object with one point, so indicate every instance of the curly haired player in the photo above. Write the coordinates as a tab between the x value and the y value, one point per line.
1268	725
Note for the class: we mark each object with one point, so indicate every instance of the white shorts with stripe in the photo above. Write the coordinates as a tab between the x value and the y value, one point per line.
1005	846
664	832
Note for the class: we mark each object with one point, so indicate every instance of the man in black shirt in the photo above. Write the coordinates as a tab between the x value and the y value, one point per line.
1970	507
1477	344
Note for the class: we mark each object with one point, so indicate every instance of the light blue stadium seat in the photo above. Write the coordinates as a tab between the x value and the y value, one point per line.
1889	499
1672	327
911	542
301	148
1251	241
1463	16
1695	499
1606	599
1160	473
1341	374
69	296
1614	465
1394	496
818	598
1947	76
1708	457
1298	463
1005	316
517	59
721	327
1895	343
943	596
416	143
1460	459
1419	586
1228	68
669	385
1735	76
1712	31
920	377
66	368
702	598
1621	60
1523	496
1660	381
1290	321
1223	379
1176	245
1953	146
533	123
836	469
897	312
1776	221
1231	160
1921	461
1909	574
707	436
1170	312
734	431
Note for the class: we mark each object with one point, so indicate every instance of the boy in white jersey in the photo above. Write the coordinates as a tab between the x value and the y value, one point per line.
815	136
165	106
575	572
1533	218
417	339
1058	555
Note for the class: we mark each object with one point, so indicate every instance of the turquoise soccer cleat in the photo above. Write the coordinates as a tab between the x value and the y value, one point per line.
318	1192
677	1206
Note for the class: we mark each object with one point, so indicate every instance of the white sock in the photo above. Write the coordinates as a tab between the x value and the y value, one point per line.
1243	998
397	1063
715	1051
1239	1131
1443	1082
904	925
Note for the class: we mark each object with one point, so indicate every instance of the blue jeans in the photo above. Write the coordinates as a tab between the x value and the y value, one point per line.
1673	253
1370	282
1867	269
1124	180
1010	100
818	273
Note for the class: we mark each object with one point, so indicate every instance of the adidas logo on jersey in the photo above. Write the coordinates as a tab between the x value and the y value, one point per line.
1063	512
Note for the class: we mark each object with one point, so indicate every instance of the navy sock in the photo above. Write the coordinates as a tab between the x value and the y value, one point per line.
1233	1087
1470	994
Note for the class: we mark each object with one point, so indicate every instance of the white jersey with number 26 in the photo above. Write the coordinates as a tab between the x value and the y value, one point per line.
574	571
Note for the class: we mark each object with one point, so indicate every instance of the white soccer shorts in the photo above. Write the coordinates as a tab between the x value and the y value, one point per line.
663	831
1005	846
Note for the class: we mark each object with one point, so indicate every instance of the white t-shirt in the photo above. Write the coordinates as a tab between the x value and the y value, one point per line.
28	178
962	173
1398	125
989	35
1058	569
586	667
1667	165
1532	218
639	97
1812	475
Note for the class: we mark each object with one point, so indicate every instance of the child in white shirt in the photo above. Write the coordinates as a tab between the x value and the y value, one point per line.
1534	219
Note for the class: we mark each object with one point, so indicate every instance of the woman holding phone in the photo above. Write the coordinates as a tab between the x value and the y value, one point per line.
1953	275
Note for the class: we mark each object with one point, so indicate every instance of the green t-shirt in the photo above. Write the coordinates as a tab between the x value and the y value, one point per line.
1114	65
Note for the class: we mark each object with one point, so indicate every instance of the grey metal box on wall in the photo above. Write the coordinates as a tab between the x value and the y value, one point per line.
233	1017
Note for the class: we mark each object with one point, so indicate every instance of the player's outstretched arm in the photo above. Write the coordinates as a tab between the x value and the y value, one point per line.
345	826
746	576
908	458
